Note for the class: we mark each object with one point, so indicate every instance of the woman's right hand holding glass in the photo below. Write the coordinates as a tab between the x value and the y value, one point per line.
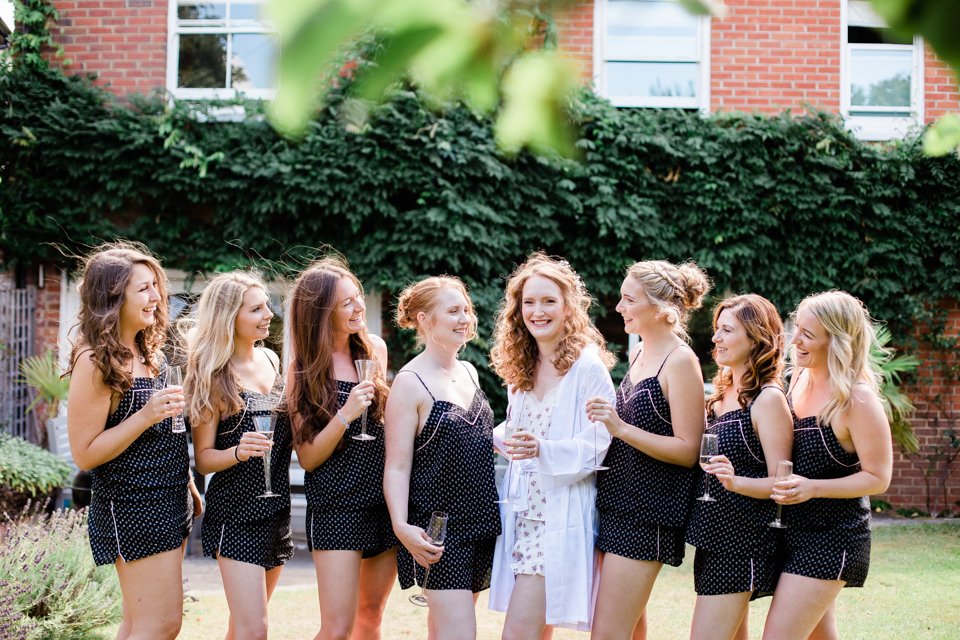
253	444
164	403
722	469
416	542
361	397
522	446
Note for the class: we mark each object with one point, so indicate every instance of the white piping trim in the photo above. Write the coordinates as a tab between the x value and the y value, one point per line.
116	531
223	529
843	563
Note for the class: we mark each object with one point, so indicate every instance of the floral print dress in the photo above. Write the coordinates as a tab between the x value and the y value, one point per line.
527	555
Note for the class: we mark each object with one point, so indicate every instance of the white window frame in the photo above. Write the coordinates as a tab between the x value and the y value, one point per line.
701	102
176	28
901	120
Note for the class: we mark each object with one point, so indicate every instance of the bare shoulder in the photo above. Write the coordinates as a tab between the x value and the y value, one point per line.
770	400
682	363
86	371
379	347
406	388
272	357
866	408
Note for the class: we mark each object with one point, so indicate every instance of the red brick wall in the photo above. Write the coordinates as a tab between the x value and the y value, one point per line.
776	55
575	31
124	42
47	314
940	87
937	400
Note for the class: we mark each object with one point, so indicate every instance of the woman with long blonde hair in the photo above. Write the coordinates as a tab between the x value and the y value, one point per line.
748	413
551	358
348	527
231	378
842	453
656	423
121	429
439	458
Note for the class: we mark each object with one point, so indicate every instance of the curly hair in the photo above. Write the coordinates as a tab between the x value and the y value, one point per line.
421	297
675	290
515	353
764	329
312	396
210	383
104	278
852	352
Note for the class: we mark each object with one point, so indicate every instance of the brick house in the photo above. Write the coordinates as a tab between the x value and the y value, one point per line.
764	56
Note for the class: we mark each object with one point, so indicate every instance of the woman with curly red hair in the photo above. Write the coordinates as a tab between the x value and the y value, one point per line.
551	358
121	429
748	413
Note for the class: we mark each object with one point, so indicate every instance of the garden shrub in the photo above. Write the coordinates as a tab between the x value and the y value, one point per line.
50	588
27	471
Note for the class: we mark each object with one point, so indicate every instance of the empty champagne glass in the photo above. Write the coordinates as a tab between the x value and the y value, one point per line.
174	378
596	451
709	447
437	532
784	471
366	371
265	421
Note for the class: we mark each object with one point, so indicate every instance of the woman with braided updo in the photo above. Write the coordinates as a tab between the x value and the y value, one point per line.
656	424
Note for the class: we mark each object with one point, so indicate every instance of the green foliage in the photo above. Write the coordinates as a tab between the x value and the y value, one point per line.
896	404
43	374
26	468
32	37
50	588
451	49
781	206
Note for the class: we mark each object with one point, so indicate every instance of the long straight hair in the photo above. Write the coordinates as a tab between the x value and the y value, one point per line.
106	273
312	395
211	382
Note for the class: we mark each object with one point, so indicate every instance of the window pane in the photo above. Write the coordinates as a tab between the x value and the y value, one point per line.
252	65
880	78
203	61
204	11
641	30
652	79
245	11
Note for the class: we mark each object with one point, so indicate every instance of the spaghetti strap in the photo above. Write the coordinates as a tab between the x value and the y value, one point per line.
637	355
470	375
418	378
657	375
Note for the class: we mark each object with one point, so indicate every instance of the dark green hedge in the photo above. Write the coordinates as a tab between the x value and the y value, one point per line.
782	206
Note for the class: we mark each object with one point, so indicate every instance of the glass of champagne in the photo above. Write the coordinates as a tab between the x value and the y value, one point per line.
509	428
174	378
596	451
709	447
784	471
265	422
366	371
437	532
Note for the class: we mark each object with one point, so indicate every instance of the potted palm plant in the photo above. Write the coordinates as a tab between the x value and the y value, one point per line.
42	373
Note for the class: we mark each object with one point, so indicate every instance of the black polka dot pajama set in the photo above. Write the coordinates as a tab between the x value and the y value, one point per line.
141	503
346	510
453	472
736	547
237	524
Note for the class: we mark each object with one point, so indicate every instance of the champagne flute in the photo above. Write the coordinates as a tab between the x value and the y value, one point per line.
437	532
509	428
366	371
784	471
596	451
174	378
709	447
265	422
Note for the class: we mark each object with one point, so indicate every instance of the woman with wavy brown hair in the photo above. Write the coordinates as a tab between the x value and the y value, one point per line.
656	424
121	429
230	379
748	413
348	527
551	358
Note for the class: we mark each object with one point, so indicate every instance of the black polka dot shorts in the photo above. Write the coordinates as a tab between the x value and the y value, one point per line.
624	536
716	573
466	565
833	554
367	530
133	529
266	543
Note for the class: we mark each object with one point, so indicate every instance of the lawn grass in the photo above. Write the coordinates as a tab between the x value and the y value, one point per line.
913	591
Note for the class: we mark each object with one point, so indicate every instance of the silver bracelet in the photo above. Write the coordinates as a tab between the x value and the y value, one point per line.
346	425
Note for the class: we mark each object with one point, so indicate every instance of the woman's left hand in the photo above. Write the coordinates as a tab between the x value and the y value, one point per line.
523	445
722	469
197	500
793	490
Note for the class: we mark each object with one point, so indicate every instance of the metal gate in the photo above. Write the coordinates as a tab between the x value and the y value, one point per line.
17	328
